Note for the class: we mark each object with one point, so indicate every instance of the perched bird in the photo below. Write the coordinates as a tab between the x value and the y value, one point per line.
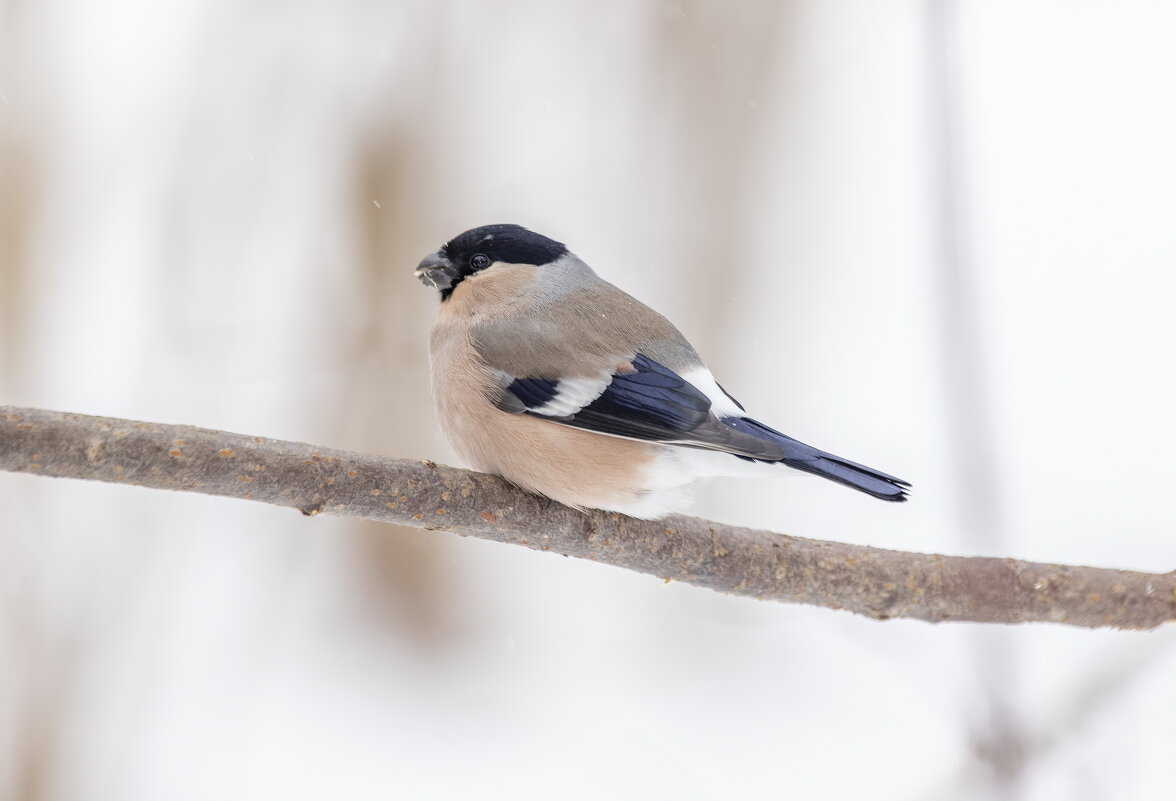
554	379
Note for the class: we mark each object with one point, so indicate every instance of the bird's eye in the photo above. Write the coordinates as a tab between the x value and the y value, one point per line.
479	261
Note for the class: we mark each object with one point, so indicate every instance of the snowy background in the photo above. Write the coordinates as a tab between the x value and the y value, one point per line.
937	238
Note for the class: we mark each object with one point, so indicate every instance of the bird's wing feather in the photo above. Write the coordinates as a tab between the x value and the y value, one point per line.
597	327
600	360
629	373
645	401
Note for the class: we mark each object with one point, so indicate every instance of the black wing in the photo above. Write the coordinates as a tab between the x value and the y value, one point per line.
651	403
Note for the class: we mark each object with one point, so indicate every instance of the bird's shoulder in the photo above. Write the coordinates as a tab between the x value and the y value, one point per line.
595	327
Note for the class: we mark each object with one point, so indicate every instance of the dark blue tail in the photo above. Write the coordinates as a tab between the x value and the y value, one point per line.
810	460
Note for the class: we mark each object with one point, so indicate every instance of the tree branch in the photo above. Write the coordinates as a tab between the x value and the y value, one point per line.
873	582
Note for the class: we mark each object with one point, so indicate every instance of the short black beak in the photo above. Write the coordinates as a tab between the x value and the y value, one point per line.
437	271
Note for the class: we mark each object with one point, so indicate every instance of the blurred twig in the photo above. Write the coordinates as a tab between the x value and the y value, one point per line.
998	735
870	581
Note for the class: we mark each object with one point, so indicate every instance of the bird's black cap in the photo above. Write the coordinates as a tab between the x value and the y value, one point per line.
478	248
512	244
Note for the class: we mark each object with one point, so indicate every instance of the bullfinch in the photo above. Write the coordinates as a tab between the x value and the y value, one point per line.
547	375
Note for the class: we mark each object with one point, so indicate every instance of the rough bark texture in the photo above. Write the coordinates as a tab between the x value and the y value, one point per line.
870	581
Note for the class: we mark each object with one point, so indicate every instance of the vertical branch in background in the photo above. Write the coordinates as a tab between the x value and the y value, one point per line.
998	739
39	674
18	164
35	674
711	70
407	578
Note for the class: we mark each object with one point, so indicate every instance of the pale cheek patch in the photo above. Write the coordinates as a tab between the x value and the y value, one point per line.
572	395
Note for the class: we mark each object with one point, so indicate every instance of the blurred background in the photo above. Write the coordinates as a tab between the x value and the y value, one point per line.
935	237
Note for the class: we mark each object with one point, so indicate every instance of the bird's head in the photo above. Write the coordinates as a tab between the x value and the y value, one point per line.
480	249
